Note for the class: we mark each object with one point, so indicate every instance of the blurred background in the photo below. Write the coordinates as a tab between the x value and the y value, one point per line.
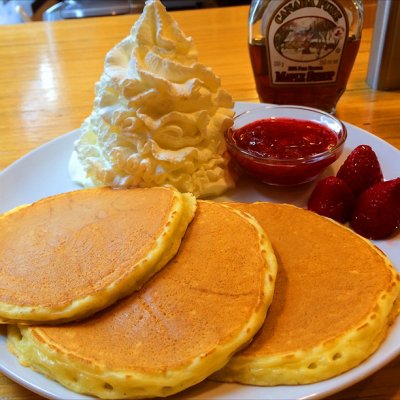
21	11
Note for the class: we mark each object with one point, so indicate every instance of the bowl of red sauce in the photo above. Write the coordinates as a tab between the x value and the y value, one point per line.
285	145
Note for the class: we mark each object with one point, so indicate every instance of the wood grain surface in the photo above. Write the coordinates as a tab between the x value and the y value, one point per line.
47	77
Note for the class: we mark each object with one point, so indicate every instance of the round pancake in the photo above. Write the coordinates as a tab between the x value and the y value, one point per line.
334	300
69	255
183	325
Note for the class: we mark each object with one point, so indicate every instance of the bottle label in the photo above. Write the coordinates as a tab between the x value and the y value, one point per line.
305	40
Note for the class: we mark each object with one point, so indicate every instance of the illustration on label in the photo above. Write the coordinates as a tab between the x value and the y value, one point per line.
307	38
305	41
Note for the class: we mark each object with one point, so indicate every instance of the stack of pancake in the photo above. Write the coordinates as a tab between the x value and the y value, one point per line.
137	293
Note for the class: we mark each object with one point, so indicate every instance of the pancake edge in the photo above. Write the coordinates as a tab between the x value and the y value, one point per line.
181	214
329	358
30	346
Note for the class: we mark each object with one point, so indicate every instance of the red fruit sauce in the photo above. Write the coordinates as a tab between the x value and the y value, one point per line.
291	141
284	138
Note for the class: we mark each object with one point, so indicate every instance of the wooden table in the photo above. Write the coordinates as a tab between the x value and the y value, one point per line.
47	76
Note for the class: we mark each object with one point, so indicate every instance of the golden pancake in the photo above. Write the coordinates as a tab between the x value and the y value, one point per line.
334	300
67	256
184	324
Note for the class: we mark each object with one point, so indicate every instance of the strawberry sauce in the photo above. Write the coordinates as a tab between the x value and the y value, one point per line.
284	138
282	150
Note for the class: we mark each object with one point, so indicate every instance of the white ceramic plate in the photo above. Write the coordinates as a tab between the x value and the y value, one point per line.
43	172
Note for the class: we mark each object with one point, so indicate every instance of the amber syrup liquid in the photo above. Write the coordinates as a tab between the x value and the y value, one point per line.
321	96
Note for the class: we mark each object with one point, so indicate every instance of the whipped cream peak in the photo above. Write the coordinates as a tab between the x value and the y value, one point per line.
158	117
157	30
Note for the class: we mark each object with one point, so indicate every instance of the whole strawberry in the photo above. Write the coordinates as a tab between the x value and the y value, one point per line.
361	169
377	211
332	198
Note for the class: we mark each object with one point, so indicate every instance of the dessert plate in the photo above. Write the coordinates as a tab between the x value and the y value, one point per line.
44	172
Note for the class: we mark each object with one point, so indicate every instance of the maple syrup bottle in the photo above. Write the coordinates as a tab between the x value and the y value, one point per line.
302	51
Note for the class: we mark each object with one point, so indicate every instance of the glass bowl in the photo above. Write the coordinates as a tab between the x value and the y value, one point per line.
285	145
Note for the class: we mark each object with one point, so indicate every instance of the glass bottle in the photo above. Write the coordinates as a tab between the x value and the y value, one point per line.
302	51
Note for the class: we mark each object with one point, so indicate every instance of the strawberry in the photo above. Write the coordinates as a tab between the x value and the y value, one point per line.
332	198
361	169
377	211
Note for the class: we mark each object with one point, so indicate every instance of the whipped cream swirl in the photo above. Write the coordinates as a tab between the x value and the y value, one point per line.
158	117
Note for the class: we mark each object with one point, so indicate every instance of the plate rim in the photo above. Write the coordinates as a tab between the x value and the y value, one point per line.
71	136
